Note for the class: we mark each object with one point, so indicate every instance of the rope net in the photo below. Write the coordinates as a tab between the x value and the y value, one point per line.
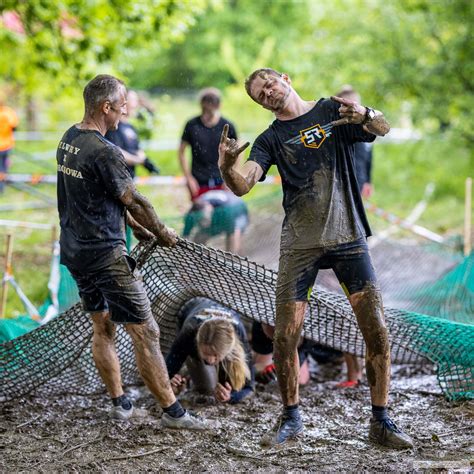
57	358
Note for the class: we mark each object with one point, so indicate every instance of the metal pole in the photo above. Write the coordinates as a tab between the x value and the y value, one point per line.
7	274
467	218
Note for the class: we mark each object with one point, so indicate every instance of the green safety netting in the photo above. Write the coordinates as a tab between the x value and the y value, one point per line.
56	357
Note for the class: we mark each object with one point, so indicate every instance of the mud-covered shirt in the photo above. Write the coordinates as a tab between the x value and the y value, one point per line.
322	203
92	176
204	143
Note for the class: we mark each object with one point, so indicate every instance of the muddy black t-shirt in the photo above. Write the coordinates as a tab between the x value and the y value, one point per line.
204	143
92	176
322	203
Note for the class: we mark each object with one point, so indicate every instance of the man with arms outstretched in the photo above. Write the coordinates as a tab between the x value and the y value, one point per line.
312	144
96	198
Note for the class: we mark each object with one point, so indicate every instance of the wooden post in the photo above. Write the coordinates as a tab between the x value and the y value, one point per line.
7	272
467	218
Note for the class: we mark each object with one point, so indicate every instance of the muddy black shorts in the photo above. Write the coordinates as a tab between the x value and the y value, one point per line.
118	289
298	270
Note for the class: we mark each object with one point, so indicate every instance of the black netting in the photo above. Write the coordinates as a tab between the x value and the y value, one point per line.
57	357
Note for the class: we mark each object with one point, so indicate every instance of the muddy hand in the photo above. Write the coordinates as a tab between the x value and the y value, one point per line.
222	393
167	238
229	149
350	112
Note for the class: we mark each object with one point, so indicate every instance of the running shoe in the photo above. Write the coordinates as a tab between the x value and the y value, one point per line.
387	433
120	413
188	421
285	429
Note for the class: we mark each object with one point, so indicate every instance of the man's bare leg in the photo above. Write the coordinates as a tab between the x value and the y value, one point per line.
289	321
104	353
150	362
368	308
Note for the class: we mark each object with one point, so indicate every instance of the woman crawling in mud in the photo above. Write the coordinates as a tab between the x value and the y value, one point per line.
213	342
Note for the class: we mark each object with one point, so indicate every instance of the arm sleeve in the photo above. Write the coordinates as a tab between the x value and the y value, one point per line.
113	170
180	350
261	153
186	136
369	163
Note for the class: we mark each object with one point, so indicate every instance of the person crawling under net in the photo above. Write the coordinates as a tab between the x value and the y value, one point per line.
212	341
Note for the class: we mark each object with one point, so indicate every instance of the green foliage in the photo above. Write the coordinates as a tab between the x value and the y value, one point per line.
64	40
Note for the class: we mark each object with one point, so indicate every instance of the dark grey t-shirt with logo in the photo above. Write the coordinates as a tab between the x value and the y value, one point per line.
92	176
322	203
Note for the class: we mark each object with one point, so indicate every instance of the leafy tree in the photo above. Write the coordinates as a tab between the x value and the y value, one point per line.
66	40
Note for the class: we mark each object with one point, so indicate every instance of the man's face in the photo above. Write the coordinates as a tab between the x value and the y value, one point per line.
271	91
117	109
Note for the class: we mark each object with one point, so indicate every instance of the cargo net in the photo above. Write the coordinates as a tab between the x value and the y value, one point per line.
56	357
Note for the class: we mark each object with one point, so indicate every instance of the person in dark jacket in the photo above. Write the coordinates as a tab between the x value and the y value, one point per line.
213	342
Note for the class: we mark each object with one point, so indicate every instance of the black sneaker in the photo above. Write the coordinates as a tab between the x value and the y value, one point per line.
387	433
286	429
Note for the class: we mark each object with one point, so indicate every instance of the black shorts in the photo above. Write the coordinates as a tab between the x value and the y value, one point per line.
298	270
118	289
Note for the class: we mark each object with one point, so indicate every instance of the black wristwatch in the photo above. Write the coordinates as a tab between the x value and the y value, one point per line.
369	115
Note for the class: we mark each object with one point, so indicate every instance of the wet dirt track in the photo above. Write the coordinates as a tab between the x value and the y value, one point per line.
73	433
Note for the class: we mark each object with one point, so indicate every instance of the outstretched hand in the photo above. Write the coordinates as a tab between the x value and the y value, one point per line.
229	149
350	111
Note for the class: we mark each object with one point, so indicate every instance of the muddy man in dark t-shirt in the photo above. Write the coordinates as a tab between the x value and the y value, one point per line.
312	145
96	197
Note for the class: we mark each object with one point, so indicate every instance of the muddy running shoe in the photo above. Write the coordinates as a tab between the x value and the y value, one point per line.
387	433
120	413
188	421
286	429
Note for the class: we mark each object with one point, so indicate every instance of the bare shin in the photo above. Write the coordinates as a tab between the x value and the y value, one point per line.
368	308
289	321
150	362
104	353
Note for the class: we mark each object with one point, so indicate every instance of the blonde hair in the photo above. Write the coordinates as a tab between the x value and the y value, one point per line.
219	335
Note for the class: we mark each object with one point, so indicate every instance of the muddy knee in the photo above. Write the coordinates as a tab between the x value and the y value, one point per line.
148	330
284	345
103	327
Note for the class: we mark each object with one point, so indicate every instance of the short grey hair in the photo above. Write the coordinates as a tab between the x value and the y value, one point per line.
103	87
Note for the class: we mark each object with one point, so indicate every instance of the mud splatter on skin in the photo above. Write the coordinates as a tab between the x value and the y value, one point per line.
368	308
289	322
150	362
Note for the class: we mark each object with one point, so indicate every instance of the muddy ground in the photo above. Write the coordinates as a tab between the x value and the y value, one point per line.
73	433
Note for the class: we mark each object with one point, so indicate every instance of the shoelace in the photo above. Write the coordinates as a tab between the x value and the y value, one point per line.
390	425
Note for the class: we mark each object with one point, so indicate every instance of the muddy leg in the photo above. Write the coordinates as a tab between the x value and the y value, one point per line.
104	353
150	362
368	308
289	321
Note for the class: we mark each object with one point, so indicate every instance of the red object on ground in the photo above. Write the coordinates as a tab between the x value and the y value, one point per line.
348	384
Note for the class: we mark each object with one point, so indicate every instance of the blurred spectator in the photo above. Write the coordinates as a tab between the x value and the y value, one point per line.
363	151
126	137
8	123
203	134
217	212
